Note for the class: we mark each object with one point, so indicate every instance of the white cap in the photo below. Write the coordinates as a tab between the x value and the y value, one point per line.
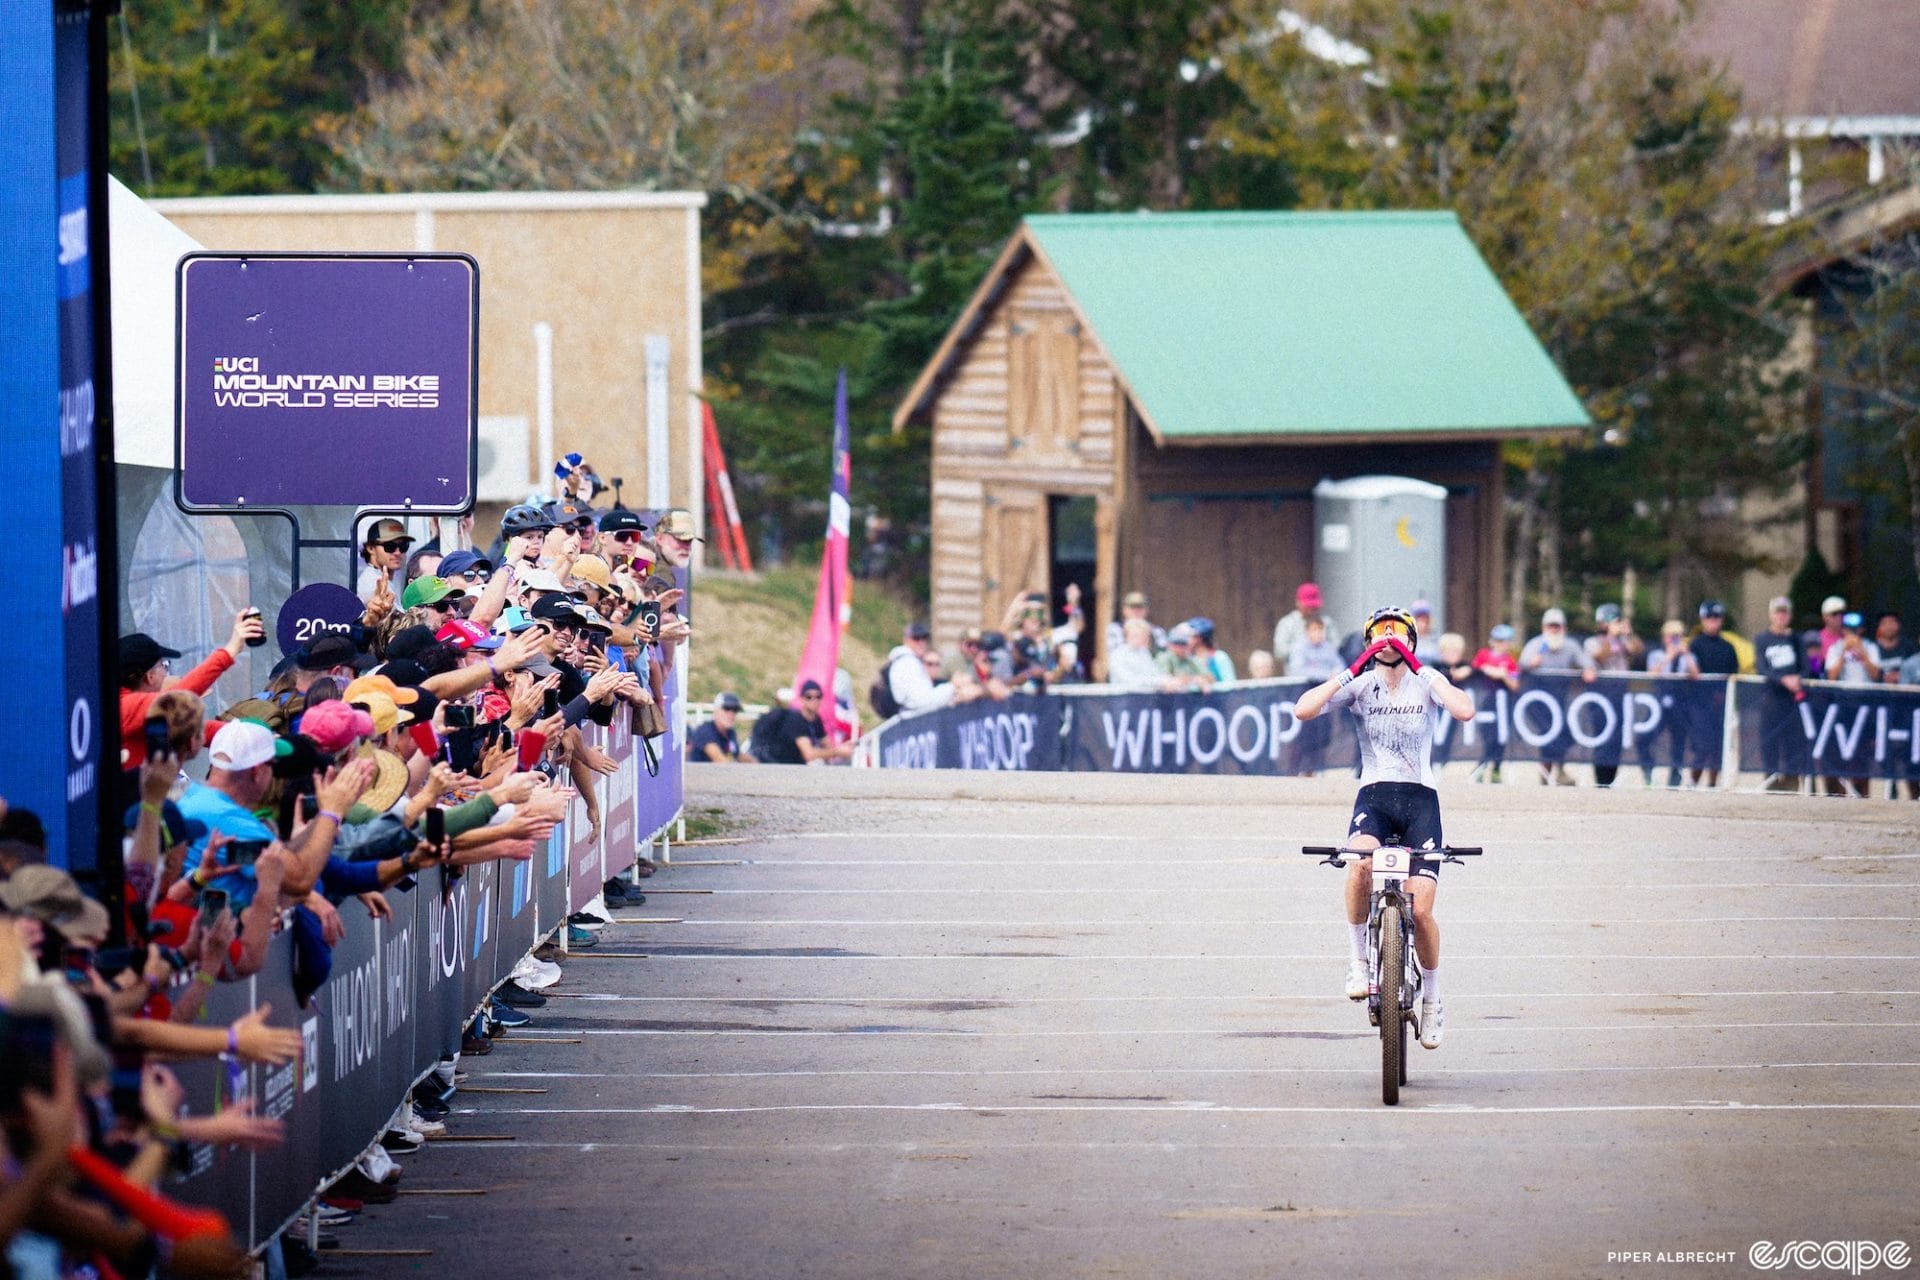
1833	604
243	744
1551	616
538	580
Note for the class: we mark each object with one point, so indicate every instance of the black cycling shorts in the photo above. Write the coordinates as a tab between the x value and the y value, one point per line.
1400	813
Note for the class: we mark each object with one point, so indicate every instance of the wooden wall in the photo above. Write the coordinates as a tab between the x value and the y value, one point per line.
1028	412
1226	532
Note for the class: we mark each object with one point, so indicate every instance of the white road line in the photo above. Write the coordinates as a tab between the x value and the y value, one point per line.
1214	1109
1319	997
1608	957
1358	1031
1189	1071
1290	891
1163	868
1314	922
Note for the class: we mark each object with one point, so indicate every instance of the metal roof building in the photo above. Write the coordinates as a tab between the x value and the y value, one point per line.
1145	402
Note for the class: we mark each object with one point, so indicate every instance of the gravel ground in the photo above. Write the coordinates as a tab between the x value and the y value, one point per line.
963	1025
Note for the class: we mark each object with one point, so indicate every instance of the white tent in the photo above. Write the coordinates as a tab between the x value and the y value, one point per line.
145	250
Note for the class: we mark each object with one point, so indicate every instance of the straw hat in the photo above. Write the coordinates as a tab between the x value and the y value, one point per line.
389	783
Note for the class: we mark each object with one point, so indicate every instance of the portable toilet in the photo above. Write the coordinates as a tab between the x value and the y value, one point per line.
1379	540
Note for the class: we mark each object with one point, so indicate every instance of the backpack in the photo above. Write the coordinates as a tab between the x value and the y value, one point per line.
278	711
880	695
764	744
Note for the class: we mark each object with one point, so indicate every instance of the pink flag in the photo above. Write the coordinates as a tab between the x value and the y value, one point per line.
833	598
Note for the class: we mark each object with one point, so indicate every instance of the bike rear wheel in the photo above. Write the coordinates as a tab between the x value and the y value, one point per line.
1393	1026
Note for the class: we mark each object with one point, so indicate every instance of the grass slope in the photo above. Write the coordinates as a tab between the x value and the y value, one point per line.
749	629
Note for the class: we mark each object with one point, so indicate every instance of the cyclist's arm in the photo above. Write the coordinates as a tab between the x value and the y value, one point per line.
1317	699
1457	701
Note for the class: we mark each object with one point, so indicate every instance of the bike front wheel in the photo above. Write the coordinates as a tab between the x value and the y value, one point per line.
1393	1026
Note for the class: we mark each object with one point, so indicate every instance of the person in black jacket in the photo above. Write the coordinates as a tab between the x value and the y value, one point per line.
1717	657
1783	741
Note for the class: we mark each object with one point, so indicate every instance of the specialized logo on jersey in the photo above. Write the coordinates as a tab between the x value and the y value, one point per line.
1358	818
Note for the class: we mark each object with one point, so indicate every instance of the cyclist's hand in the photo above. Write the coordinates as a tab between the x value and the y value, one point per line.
1399	646
1367	655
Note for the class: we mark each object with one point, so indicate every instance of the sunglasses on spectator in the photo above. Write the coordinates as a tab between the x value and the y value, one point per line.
395	544
476	575
628	535
581	526
809	697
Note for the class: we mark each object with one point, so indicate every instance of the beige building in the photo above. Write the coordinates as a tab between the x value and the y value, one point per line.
600	288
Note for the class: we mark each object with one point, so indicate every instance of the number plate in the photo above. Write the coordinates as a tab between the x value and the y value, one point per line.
1392	862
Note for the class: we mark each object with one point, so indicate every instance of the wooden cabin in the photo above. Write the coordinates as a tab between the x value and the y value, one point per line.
1146	401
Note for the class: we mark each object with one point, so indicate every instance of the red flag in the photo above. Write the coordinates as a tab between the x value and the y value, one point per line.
833	598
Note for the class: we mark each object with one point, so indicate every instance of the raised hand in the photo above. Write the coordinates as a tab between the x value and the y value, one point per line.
1367	655
259	1042
1401	647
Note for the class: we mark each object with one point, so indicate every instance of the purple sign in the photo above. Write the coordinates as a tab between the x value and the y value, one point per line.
316	611
345	381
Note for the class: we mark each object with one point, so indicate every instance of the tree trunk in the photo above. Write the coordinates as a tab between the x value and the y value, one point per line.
1525	524
1552	584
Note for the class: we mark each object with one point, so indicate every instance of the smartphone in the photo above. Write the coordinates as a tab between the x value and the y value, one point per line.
650	615
437	828
463	749
159	746
550	705
459	716
424	738
76	962
254	642
243	853
213	903
532	744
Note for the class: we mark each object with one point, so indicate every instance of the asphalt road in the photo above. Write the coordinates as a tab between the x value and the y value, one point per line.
973	1025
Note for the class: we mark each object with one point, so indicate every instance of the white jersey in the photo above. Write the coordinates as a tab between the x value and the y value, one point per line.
1396	726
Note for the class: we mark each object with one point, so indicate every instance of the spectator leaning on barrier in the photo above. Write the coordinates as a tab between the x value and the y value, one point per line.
1131	666
1717	657
1554	652
1260	665
1614	648
1217	664
675	535
1816	642
1133	607
1777	657
1854	659
1287	632
906	674
1894	647
1180	671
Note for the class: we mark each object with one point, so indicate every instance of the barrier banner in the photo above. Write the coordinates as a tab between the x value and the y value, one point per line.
439	983
1020	734
1834	731
218	1177
1233	731
284	1176
1632	720
482	973
550	867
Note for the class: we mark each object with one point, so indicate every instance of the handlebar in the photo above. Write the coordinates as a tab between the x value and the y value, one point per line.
1334	855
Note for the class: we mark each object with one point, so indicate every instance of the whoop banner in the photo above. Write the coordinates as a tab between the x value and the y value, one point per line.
1634	721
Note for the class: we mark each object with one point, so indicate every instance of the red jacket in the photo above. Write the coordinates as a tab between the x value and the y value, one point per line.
133	706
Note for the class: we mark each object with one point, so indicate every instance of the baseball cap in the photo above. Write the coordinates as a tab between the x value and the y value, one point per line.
1308	595
811	686
1501	631
380	684
513	620
455	563
620	518
429	591
334	725
1712	609
593	620
972	635
568	510
407	643
139	651
1180	633
679	523
552	608
86	927
540	580
918	631
1421	609
381	710
594	570
387	531
1134	600
245	744
464	635
727	702
1832	604
330	651
41	891
1780	602
1607	613
1555	617
1201	626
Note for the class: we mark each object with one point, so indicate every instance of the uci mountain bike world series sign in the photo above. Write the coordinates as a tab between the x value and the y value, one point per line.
327	380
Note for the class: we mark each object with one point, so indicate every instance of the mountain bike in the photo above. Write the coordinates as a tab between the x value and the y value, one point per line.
1393	972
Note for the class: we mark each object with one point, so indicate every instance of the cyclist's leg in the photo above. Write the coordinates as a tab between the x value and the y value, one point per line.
1359	877
1426	928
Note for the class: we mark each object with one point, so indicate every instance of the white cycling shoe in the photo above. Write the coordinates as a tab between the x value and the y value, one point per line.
1433	1024
1357	980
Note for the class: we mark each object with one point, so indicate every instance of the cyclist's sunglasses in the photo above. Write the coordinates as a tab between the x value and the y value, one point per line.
1391	626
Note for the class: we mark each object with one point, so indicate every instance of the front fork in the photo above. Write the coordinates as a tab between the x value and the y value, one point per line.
1410	977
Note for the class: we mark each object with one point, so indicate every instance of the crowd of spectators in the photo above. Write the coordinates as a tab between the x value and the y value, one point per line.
444	729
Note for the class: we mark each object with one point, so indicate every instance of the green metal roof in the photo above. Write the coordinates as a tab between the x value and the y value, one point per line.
1306	324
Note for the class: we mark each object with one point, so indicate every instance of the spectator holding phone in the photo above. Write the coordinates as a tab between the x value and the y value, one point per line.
144	667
